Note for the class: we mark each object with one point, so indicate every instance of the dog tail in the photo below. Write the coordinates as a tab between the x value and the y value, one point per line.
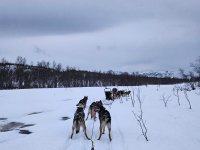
77	126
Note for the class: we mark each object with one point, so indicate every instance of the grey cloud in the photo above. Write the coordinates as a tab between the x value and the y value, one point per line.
40	17
55	17
122	35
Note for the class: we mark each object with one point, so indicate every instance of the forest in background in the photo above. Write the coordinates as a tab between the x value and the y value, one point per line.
20	75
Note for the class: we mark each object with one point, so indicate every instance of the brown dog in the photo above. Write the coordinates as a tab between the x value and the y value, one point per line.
91	111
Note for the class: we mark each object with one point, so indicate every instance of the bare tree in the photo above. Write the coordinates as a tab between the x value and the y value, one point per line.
176	90
43	64
165	99
21	60
182	73
133	97
187	98
3	60
139	117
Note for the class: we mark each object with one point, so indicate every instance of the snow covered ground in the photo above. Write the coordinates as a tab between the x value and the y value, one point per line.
42	111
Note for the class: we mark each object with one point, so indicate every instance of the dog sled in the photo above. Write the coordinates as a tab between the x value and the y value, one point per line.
108	94
112	94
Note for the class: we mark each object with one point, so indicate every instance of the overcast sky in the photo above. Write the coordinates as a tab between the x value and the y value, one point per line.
119	35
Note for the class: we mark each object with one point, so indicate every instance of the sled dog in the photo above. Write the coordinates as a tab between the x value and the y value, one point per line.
79	121
91	111
104	118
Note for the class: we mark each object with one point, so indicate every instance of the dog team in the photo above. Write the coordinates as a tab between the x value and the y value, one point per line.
95	107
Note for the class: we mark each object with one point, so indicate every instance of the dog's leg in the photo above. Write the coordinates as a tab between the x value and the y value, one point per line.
93	114
100	129
103	129
89	112
72	131
109	130
84	128
103	126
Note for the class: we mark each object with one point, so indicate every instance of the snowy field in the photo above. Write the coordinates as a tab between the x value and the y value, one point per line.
47	114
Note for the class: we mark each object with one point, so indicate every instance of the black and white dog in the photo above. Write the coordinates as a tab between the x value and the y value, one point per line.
83	102
79	121
104	118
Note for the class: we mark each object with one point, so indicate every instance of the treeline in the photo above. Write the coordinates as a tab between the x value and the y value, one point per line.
20	75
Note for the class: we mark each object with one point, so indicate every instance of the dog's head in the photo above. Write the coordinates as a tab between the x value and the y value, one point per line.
80	105
85	98
98	105
114	90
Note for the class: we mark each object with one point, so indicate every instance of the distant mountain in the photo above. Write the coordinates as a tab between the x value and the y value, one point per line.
161	74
